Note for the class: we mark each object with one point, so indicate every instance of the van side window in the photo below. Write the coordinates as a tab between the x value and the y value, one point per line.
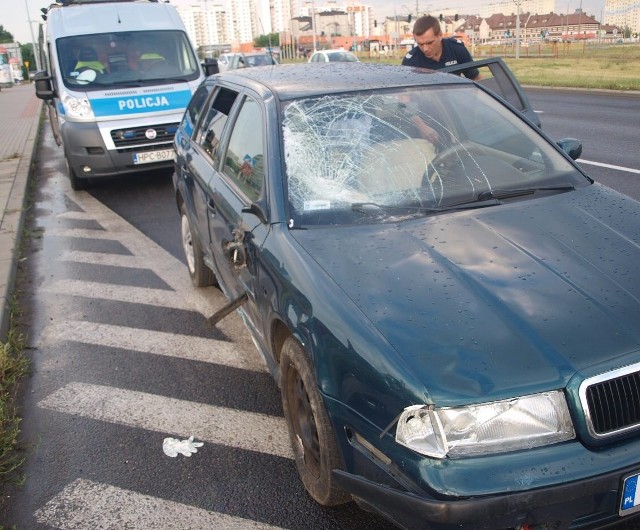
208	136
244	162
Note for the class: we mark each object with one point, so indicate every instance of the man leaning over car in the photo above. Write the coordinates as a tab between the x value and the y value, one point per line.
435	52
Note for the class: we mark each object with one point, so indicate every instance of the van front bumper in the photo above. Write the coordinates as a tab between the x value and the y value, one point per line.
88	156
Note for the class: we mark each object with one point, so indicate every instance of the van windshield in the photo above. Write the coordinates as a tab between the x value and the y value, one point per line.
132	58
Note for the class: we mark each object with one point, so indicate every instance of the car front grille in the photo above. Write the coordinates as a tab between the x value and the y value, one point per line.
130	138
612	402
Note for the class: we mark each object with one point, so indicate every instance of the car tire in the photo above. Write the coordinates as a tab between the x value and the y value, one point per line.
312	438
201	275
77	184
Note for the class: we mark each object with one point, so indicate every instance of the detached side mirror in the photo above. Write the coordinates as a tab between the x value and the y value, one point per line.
258	209
210	66
571	146
44	87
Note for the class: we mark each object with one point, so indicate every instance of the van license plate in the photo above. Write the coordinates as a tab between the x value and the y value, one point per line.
149	157
630	502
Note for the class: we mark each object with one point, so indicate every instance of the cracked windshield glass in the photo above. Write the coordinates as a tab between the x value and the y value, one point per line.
385	156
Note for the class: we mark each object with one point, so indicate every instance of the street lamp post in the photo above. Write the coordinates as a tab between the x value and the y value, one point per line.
313	24
517	29
33	41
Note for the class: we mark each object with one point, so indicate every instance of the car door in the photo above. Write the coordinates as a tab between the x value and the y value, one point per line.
237	230
202	156
190	168
496	76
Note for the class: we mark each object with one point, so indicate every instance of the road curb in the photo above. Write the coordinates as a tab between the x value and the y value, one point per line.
13	219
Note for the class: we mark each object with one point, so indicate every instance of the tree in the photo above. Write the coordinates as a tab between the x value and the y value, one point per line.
266	41
5	36
28	55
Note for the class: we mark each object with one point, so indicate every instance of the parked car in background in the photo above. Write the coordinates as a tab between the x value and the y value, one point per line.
333	56
250	59
449	304
224	60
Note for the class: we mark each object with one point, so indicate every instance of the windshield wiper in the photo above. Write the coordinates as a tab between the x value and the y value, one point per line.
506	194
471	203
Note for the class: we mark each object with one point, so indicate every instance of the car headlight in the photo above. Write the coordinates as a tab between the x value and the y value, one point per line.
78	108
486	428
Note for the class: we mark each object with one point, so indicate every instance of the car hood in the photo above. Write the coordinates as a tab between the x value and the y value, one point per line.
498	301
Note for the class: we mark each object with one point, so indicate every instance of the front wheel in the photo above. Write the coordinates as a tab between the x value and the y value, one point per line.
312	438
201	275
77	184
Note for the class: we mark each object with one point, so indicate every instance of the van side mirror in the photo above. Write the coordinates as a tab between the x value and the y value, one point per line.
44	87
210	66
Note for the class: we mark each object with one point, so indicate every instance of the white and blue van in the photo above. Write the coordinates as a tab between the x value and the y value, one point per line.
118	76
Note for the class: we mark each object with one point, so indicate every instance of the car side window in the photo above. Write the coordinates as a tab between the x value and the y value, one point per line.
194	110
209	134
244	162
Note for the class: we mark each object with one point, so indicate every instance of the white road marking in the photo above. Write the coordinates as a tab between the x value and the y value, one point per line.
86	504
124	293
148	254
97	258
156	342
250	431
609	166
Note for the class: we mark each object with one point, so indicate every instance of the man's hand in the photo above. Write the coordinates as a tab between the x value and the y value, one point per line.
425	131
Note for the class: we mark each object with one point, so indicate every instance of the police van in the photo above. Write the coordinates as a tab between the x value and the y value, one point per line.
118	76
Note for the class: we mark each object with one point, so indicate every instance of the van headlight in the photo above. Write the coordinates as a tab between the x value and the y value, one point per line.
76	108
486	428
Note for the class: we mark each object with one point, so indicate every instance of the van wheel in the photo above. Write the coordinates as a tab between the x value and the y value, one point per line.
77	184
53	121
201	275
312	438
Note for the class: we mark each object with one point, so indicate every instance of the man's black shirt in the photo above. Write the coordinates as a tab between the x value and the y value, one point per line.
453	52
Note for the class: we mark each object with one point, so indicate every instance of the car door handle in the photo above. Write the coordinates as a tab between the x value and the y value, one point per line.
211	206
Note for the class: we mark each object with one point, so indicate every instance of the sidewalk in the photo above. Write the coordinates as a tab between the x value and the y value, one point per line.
19	119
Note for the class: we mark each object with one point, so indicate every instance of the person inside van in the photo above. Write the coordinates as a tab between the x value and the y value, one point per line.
149	60
88	59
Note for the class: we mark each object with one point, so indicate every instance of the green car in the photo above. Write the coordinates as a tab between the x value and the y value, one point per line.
449	305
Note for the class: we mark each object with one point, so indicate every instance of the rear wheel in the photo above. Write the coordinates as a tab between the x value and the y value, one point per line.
201	275
312	438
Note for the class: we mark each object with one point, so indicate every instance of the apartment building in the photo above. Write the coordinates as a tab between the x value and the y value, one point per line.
623	14
233	22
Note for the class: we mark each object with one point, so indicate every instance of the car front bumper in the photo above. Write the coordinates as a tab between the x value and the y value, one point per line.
586	504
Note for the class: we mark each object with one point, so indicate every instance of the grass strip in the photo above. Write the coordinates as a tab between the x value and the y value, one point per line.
13	366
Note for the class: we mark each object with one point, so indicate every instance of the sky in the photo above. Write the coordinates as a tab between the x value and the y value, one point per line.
13	13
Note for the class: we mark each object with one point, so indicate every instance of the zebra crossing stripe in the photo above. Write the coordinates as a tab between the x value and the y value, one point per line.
87	504
156	342
147	254
121	293
97	258
218	425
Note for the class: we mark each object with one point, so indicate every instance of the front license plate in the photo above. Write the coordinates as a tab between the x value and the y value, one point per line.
630	502
148	157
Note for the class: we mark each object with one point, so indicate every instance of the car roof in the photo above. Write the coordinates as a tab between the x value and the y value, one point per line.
333	51
290	81
253	53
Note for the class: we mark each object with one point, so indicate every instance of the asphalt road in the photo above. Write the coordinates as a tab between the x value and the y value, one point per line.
606	124
122	359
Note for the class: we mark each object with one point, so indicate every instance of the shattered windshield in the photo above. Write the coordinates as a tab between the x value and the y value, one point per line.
387	155
130	58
